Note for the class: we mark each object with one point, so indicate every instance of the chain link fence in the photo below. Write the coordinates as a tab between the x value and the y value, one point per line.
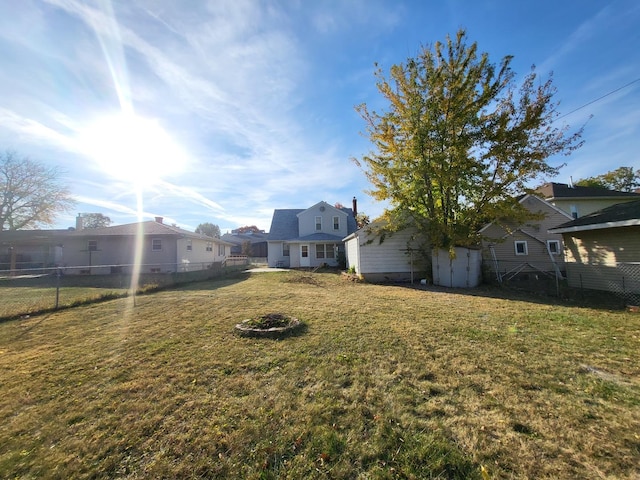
28	291
536	276
622	279
630	282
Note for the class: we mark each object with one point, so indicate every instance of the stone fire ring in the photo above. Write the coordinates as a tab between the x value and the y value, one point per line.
248	331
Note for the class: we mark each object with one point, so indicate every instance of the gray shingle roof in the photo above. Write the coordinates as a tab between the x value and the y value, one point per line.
239	238
619	215
148	228
33	236
284	226
562	190
319	237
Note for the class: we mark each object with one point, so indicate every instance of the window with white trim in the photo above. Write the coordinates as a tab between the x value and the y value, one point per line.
325	250
285	250
521	247
554	246
156	244
318	223
189	245
336	223
209	247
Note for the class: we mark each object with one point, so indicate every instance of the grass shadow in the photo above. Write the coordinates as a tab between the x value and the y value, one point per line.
568	298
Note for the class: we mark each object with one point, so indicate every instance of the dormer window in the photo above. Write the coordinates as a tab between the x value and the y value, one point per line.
574	211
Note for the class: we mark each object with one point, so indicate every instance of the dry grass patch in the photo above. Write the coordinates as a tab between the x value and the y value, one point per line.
18	301
387	382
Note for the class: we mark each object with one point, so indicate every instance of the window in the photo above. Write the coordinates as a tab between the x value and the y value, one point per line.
285	249
304	251
331	251
209	247
92	245
574	211
221	252
189	245
336	223
554	247
521	247
325	251
318	223
156	244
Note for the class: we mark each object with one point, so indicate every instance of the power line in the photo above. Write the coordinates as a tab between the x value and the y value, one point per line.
599	98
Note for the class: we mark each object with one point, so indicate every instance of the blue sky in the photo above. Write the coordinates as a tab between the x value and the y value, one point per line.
223	111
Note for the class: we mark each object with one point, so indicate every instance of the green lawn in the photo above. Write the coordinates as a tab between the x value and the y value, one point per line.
384	382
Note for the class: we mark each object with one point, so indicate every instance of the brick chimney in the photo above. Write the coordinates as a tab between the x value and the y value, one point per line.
355	207
159	219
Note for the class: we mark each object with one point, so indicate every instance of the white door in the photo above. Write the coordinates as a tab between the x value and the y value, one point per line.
304	256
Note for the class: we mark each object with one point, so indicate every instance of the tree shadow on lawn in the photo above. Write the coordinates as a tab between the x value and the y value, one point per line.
568	297
211	283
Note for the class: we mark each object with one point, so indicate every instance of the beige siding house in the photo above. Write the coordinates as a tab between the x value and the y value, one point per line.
602	249
579	201
512	249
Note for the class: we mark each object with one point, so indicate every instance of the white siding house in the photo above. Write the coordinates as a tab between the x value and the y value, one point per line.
300	238
162	248
377	258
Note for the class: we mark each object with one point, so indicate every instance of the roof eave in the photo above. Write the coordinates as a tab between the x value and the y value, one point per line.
596	226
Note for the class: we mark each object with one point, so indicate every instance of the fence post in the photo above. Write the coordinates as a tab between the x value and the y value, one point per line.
57	287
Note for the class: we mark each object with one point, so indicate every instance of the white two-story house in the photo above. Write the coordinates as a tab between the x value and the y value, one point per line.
300	238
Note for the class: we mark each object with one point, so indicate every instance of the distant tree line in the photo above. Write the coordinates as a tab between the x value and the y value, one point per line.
209	229
623	179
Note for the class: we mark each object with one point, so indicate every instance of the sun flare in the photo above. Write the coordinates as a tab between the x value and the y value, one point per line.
132	148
